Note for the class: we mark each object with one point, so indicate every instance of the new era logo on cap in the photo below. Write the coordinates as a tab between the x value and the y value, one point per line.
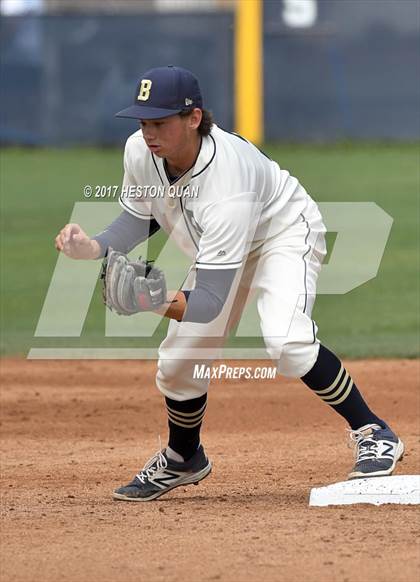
162	92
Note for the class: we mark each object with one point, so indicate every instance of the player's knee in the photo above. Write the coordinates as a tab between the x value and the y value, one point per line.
296	359
176	380
167	377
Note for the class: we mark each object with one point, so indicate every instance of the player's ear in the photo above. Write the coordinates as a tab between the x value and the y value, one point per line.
195	118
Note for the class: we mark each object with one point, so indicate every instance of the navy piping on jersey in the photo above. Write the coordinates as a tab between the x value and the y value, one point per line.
216	264
157	169
174	180
194	223
304	262
246	141
186	224
210	161
305	273
193	176
180	200
135	212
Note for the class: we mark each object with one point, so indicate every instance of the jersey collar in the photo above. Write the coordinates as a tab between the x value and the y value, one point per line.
205	157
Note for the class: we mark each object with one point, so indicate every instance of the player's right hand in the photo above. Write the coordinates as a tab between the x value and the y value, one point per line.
76	244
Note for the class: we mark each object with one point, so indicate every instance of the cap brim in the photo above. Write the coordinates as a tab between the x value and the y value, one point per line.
142	112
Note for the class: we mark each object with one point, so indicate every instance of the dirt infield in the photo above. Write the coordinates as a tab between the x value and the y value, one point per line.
73	431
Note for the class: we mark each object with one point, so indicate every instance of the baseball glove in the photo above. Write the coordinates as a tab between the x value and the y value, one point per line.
129	287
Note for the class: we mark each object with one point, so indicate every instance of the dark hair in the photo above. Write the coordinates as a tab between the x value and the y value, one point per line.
206	121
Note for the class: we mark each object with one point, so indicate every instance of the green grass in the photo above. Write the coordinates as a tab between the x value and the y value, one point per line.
381	318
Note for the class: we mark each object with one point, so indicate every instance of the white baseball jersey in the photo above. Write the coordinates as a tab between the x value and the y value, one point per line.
233	198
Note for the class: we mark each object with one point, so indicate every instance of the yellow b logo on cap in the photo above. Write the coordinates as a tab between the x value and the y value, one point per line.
144	92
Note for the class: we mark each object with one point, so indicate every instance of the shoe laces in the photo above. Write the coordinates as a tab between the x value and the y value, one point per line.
153	465
365	446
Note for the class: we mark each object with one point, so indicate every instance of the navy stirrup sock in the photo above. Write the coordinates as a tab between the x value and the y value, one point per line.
329	380
185	419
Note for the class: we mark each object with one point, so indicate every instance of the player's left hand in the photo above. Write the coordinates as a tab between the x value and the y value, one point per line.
131	286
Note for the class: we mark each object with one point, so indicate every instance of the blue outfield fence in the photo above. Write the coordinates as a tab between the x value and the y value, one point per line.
64	77
351	72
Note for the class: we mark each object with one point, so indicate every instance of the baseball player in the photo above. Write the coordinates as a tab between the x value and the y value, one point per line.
251	227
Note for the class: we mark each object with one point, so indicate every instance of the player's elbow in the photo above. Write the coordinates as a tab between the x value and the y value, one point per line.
212	311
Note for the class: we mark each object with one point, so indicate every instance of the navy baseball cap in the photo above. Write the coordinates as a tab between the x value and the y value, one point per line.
162	92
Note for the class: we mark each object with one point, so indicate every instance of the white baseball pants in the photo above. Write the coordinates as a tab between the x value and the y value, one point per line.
283	271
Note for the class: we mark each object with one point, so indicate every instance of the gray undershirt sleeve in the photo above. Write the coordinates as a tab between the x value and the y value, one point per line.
206	301
126	232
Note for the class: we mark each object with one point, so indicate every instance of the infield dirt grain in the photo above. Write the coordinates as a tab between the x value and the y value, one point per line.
73	431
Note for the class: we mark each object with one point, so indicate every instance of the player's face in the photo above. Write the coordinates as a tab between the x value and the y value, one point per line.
169	136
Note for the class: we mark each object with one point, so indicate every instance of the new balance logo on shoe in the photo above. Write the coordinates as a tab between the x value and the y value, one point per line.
387	450
161	474
165	480
377	451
